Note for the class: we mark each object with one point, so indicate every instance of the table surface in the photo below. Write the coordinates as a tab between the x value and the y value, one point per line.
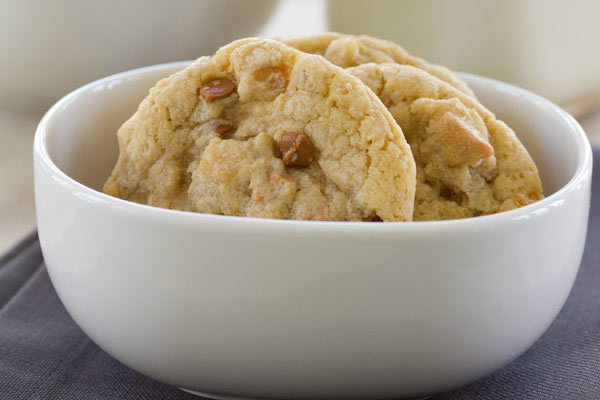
17	128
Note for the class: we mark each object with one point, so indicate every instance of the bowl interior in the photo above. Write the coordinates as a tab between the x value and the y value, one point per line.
550	135
81	136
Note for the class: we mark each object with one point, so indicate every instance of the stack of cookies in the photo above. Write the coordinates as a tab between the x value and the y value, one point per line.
331	127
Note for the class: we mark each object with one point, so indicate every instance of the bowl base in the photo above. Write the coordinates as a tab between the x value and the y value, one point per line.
221	397
215	396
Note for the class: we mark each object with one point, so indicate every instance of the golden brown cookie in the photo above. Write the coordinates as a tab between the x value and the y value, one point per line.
468	162
263	130
349	51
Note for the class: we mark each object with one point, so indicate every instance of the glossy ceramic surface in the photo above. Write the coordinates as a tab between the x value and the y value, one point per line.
305	310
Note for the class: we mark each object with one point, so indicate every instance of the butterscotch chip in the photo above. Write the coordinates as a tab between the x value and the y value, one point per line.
523	200
223	128
263	74
468	162
217	89
296	149
276	177
356	162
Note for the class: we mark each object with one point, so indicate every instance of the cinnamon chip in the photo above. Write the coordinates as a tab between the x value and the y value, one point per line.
296	149
217	89
223	128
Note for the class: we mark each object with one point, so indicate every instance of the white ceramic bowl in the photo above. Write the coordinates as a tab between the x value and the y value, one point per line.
305	310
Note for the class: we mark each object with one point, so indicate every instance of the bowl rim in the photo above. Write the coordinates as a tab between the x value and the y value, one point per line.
541	207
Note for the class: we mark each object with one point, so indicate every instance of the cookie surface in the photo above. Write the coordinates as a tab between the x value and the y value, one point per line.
263	130
350	51
468	162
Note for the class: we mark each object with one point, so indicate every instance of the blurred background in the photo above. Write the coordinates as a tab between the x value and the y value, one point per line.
51	48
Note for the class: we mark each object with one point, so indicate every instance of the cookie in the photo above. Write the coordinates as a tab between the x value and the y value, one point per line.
468	162
350	51
263	130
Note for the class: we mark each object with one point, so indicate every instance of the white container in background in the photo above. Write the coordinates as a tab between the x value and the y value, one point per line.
51	47
549	47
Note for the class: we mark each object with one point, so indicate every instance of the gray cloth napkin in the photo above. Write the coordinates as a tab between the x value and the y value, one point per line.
44	355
